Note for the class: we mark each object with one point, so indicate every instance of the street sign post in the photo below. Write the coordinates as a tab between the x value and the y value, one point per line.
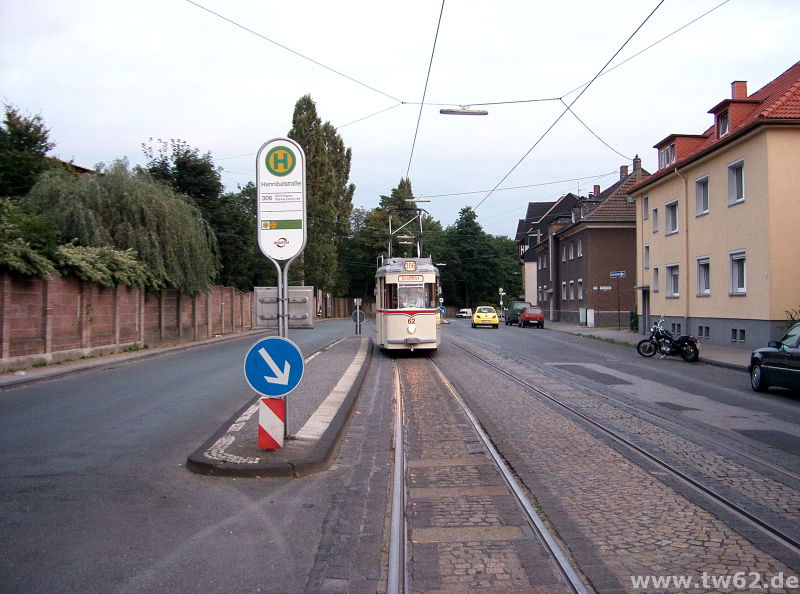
618	274
273	367
281	211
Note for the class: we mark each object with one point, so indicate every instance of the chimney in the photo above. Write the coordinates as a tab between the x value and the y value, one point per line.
637	163
623	172
739	89
596	190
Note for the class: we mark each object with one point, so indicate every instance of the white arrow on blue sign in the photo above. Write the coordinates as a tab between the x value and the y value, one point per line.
273	366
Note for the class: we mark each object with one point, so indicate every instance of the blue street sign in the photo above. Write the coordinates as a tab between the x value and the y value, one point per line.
617	274
273	366
442	310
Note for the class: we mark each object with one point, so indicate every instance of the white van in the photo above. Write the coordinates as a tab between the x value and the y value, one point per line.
464	313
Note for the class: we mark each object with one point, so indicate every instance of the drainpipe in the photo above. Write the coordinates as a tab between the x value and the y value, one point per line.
685	248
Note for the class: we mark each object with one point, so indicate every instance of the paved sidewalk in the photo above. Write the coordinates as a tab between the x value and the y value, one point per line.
710	354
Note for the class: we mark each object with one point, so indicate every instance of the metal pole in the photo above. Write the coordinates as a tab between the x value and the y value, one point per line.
279	289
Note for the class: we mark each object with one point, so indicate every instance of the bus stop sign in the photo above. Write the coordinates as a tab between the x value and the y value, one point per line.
281	198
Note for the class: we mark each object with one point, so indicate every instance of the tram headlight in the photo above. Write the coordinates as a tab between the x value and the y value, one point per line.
411	328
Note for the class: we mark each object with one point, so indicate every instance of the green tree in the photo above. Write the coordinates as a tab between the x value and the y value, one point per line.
24	141
474	267
129	210
328	197
17	254
231	215
243	264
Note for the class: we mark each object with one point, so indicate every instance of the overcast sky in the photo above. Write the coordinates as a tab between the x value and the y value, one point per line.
108	75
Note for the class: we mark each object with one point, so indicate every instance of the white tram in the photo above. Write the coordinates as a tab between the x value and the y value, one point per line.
407	304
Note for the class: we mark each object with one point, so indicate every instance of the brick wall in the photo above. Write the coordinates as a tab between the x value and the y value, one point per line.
66	318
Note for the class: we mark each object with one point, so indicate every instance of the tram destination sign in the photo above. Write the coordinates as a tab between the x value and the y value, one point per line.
281	198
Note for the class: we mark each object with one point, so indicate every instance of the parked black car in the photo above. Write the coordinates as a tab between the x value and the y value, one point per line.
514	309
777	364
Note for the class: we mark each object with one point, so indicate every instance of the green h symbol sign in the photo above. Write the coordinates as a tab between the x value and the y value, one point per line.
280	161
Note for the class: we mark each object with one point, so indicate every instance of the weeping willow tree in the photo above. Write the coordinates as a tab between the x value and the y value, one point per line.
129	210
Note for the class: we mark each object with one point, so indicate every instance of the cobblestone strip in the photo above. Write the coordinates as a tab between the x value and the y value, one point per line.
352	554
465	528
601	503
780	498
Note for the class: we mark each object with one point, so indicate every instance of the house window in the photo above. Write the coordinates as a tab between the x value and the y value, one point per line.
671	218
572	290
703	276
666	156
571	250
646	257
673	281
675	328
580	288
738	265
580	247
564	253
723	124
564	290
736	183
738	334
655	279
701	196
645	208
655	220
703	332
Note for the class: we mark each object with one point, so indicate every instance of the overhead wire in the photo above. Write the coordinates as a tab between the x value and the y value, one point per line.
400	102
593	133
655	43
425	90
563	113
296	53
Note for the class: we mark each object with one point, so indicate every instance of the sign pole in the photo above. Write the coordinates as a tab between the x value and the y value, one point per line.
282	233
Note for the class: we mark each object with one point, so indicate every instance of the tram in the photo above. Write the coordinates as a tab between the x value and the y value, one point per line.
407	304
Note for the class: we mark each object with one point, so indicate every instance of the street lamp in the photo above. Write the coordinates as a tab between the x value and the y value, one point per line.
463	110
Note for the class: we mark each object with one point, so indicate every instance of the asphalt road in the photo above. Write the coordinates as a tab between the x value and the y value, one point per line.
715	396
94	496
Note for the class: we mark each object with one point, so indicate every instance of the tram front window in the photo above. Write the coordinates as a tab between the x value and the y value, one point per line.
411	296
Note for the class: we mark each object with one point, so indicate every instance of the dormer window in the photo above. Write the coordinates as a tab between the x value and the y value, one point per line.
666	156
722	124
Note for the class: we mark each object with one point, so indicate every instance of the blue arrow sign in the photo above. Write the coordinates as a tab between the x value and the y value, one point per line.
442	310
273	366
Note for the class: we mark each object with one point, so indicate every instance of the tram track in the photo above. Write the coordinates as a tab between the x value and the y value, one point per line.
790	543
451	523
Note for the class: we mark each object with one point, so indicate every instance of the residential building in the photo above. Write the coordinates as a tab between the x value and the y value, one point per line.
716	252
538	262
525	237
596	261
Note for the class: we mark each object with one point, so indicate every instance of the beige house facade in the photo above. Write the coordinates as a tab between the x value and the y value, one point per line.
717	225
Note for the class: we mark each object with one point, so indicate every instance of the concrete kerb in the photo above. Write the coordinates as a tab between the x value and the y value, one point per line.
232	450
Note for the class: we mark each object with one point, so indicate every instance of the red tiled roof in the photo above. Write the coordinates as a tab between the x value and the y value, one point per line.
777	100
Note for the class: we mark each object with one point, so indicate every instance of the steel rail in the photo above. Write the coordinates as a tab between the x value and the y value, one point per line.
639	412
785	540
397	544
560	560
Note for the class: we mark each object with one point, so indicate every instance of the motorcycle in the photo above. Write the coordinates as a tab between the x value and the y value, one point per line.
662	341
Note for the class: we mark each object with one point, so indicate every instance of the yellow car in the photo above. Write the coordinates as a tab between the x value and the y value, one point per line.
485	315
